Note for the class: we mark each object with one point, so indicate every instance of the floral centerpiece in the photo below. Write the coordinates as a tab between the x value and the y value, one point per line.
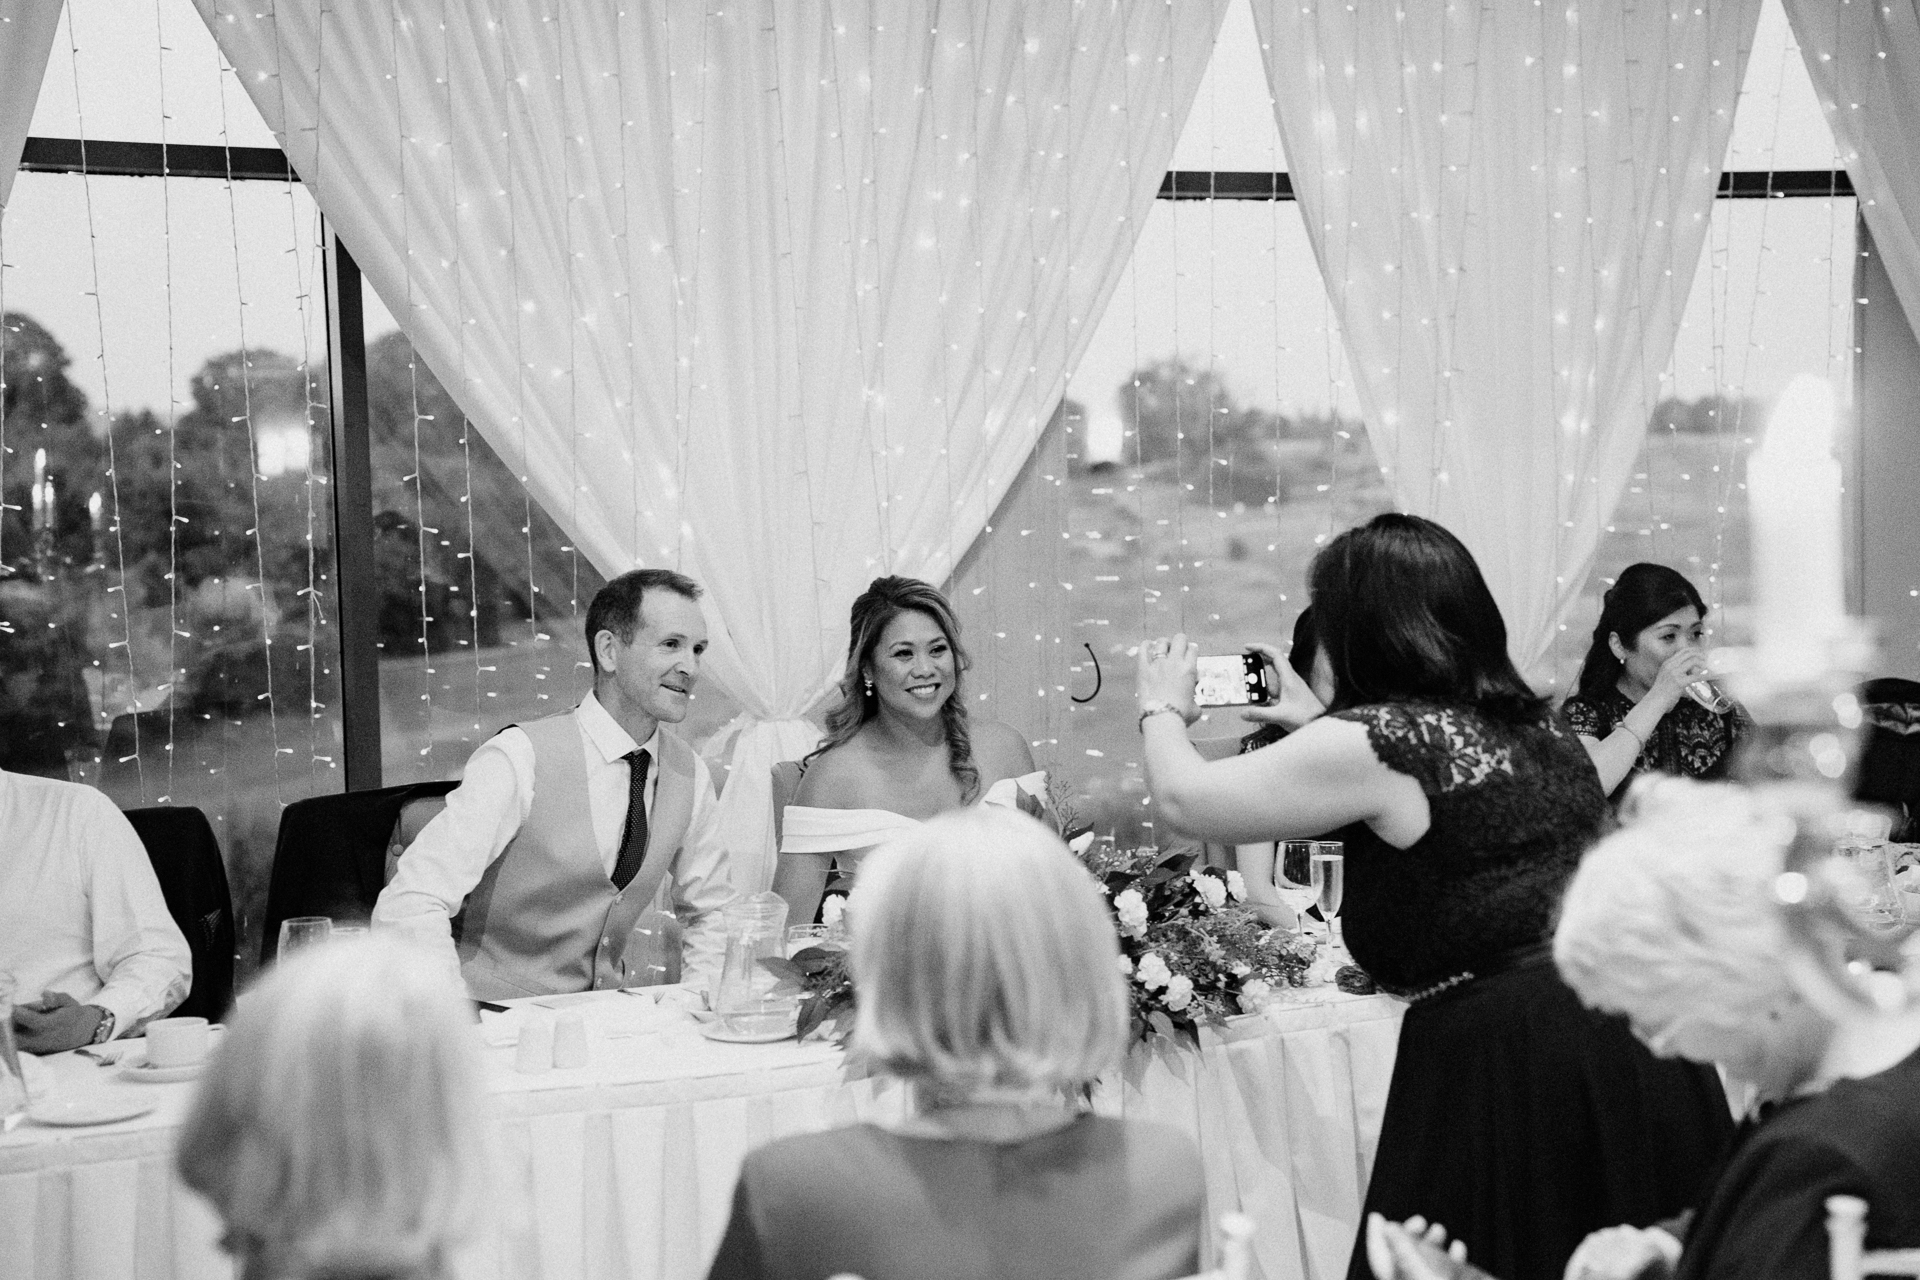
1191	952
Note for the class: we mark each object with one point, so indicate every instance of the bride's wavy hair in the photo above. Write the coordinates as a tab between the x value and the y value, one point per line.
884	600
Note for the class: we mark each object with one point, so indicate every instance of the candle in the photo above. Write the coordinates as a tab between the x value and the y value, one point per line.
42	496
1793	492
96	522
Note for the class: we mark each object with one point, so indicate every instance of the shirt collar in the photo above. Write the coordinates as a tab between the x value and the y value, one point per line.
608	737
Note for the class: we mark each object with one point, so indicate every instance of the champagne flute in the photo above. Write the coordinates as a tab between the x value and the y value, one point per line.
1293	875
1329	884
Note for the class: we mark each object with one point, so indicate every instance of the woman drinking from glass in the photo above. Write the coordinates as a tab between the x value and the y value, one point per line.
1464	806
1643	702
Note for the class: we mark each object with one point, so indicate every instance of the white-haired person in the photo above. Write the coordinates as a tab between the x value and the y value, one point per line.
1674	922
989	982
338	1130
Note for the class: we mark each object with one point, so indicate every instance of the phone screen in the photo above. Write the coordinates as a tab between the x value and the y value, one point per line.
1233	681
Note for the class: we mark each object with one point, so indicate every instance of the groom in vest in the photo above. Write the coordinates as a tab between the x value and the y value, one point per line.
562	829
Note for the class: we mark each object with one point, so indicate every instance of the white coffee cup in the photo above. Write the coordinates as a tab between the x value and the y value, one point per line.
176	1042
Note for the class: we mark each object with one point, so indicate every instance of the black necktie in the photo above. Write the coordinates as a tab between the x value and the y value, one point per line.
633	841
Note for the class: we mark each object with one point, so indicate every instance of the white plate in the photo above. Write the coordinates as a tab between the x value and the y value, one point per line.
714	1031
136	1067
82	1111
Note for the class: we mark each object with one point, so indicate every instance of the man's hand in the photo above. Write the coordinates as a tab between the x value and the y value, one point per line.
54	1022
1624	1253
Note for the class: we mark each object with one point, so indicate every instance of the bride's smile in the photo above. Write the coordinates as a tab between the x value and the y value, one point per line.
912	666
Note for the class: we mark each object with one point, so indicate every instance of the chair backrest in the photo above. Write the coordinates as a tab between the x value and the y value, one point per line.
331	857
1847	1252
193	878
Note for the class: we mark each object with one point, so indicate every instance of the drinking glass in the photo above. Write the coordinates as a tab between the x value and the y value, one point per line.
1293	875
1708	695
340	931
297	933
745	1000
1329	884
13	1081
802	936
1872	894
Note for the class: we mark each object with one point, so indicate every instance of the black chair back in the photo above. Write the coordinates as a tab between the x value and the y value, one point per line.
1890	754
331	856
193	878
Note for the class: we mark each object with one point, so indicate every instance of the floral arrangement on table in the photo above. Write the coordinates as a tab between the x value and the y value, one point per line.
1191	952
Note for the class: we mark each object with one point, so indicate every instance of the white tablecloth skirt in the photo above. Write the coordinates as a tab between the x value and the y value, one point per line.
614	1178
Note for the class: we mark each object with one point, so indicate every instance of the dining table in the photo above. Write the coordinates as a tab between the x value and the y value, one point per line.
625	1167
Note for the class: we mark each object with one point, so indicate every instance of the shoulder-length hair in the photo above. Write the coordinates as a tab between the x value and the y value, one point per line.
1673	915
986	959
884	600
338	1129
1401	611
1641	596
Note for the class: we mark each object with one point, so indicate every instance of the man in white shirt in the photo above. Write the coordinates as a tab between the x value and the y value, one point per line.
84	930
562	829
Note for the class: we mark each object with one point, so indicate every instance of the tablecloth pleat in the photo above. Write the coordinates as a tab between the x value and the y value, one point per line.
103	1212
19	1226
639	1140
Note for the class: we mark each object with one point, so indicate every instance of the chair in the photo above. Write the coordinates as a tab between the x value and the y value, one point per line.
1890	754
193	879
335	853
1847	1252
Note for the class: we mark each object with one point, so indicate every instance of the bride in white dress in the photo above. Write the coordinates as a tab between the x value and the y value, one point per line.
899	746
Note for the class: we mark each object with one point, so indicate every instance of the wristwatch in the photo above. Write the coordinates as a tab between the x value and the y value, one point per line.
103	1032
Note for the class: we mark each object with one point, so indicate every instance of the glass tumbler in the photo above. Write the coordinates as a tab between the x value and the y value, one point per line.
756	927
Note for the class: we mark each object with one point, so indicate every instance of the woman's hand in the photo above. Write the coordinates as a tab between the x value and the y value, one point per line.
1167	674
1393	1254
1624	1253
1676	673
1296	704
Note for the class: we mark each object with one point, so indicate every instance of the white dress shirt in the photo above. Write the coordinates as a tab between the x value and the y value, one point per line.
80	909
442	866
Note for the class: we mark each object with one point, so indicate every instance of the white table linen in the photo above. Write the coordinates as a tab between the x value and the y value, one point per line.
625	1168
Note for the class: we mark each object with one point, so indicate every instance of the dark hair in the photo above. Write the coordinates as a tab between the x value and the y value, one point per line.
1641	596
1300	656
616	606
1402	612
884	600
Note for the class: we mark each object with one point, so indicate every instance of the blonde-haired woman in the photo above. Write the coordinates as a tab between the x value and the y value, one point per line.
338	1129
989	982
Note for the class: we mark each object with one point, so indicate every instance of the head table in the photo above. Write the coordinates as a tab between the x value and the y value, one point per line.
624	1169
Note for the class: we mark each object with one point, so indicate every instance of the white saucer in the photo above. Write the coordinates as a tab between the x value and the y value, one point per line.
714	1031
70	1112
136	1067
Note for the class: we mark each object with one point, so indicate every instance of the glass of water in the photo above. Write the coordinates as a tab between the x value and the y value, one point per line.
1293	875
297	933
1329	879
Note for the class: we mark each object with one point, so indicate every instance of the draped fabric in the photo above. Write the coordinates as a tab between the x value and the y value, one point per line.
1508	203
26	38
1864	61
778	293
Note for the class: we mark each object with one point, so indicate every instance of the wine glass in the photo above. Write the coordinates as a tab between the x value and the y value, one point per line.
1329	867
1293	875
298	933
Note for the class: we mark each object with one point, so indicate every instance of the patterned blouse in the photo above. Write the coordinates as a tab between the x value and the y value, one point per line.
1690	741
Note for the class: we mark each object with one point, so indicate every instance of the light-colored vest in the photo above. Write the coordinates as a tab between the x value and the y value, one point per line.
545	918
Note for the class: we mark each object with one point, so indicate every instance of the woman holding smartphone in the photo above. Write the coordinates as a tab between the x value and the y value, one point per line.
1641	704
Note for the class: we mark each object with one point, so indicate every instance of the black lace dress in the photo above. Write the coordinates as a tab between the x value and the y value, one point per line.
1516	1117
1690	741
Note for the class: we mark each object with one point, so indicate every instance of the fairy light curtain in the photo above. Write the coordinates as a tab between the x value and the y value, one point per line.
26	38
1864	61
1508	202
778	294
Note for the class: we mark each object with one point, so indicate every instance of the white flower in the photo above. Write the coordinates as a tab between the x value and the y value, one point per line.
833	909
1179	992
1210	888
1152	971
1254	994
1081	843
1132	910
1241	968
1237	886
1126	966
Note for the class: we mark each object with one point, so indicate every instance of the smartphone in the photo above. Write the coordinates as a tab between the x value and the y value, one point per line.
1234	681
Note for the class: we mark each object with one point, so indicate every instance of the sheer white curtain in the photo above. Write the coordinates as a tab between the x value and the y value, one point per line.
1508	201
778	293
26	38
1864	60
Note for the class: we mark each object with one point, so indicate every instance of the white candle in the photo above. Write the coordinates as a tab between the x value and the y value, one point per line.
1793	494
42	496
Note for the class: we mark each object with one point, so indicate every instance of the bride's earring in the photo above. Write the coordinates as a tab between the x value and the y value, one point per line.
868	683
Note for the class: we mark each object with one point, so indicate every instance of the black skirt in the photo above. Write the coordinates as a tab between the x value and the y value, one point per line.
1522	1121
